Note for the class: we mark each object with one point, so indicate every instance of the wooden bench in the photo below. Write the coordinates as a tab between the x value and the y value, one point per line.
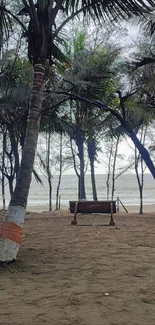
108	207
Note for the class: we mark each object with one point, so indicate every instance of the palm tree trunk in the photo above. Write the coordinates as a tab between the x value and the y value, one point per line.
3	169
50	194
14	143
140	186
75	168
145	154
142	182
140	178
82	182
82	173
48	150
141	200
10	179
91	148
60	174
11	228
109	171
93	181
114	168
142	150
79	187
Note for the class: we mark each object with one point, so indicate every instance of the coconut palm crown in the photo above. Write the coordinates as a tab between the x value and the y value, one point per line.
42	29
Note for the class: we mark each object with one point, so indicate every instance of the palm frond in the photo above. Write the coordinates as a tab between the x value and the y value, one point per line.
150	24
37	177
5	25
43	16
58	54
42	162
143	62
112	9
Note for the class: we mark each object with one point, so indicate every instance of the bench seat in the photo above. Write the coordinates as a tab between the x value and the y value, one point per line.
92	207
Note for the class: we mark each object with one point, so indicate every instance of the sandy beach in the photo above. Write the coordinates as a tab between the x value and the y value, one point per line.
81	275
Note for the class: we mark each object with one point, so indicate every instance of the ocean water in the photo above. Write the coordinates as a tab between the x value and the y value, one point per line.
126	190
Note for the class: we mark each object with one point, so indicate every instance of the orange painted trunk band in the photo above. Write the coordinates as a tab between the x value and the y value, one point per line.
11	230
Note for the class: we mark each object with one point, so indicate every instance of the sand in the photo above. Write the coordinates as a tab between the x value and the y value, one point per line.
88	274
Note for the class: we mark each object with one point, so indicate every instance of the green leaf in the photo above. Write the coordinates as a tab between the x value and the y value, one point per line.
59	55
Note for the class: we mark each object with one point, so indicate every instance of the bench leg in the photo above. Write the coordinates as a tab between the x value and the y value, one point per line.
112	222
74	221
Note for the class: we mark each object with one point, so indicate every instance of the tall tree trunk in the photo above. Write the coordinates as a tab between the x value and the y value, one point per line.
82	173
60	174
11	228
91	147
50	194
141	200
14	143
143	151
3	168
79	187
3	192
10	179
114	168
109	171
140	181
140	162
75	167
93	181
48	150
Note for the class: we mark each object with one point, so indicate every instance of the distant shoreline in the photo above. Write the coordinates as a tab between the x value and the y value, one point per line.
130	208
126	190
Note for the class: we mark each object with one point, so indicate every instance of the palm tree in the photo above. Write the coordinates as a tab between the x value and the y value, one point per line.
41	35
93	74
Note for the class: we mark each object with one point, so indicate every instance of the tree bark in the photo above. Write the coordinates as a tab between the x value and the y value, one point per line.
109	171
79	187
82	173
142	150
145	154
60	174
3	166
140	182
10	179
11	228
75	167
93	181
141	200
114	168
48	167
140	177
91	147
141	211
50	194
14	144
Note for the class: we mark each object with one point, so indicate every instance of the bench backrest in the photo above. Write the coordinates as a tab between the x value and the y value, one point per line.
93	206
